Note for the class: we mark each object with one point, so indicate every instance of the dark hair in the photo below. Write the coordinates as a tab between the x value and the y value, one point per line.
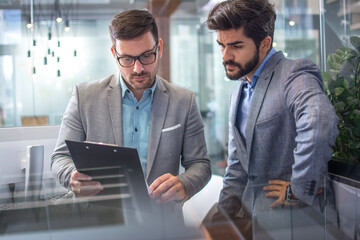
256	17
131	24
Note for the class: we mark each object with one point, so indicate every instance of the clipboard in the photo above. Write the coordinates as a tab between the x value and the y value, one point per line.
117	168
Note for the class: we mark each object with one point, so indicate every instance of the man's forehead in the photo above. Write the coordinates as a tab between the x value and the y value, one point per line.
134	46
231	37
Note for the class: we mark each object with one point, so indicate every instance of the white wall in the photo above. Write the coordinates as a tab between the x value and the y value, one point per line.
13	144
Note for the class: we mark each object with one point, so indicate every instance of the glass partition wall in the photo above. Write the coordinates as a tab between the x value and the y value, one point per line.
196	61
43	57
46	48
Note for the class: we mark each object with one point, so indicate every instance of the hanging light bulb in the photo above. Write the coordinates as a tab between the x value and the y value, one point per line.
75	53
67	26
58	73
59	19
28	24
58	11
45	60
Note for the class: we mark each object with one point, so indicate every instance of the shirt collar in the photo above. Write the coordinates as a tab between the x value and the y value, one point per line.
260	68
124	87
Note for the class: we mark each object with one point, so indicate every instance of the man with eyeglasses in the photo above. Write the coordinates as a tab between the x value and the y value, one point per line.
136	108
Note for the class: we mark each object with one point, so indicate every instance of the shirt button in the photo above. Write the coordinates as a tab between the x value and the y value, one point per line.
135	129
137	107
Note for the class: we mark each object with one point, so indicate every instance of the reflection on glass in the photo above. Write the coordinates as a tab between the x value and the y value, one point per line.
195	64
290	221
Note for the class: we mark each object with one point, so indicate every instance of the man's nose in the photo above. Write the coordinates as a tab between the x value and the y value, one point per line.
138	67
227	54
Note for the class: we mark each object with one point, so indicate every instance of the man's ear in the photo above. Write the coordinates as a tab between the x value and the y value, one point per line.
160	47
112	50
266	43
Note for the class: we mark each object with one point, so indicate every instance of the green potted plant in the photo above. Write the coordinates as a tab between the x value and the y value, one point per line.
342	85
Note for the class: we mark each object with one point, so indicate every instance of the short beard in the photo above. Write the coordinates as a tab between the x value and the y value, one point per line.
249	66
146	74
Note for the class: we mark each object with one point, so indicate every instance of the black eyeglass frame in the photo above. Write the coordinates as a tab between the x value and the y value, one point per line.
137	57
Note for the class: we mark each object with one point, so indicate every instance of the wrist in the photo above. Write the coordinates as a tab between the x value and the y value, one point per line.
290	196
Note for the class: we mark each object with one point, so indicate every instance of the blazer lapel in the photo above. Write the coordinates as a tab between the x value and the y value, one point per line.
258	98
158	114
114	102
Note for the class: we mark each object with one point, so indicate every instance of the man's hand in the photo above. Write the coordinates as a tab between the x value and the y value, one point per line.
82	185
277	189
167	188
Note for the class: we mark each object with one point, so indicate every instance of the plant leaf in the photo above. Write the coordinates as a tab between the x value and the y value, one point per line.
353	145
356	132
328	81
343	90
356	111
336	58
326	76
335	72
353	101
338	91
341	51
339	105
349	57
355	41
334	65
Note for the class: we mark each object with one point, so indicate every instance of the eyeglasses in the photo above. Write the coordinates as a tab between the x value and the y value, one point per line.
145	58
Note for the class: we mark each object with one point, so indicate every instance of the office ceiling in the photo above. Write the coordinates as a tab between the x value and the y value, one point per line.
95	9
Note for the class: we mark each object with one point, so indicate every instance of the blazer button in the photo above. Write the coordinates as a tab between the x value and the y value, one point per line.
252	177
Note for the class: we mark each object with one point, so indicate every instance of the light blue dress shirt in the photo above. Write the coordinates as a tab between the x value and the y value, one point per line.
246	95
136	116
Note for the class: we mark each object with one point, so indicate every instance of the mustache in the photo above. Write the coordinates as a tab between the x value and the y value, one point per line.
231	62
142	74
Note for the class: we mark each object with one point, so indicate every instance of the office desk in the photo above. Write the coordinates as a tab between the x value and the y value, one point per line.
57	214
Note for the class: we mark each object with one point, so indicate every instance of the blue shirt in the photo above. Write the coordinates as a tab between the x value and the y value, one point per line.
246	95
136	116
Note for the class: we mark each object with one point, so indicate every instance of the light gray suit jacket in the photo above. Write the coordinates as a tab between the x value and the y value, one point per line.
176	131
289	133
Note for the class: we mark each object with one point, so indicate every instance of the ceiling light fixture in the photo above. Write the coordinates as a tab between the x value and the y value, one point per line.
67	26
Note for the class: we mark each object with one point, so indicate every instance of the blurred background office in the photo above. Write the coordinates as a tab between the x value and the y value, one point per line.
48	46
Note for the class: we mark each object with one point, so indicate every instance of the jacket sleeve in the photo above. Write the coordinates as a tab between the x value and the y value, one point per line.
194	156
316	128
62	164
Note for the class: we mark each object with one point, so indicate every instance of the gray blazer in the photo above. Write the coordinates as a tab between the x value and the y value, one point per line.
176	130
290	130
